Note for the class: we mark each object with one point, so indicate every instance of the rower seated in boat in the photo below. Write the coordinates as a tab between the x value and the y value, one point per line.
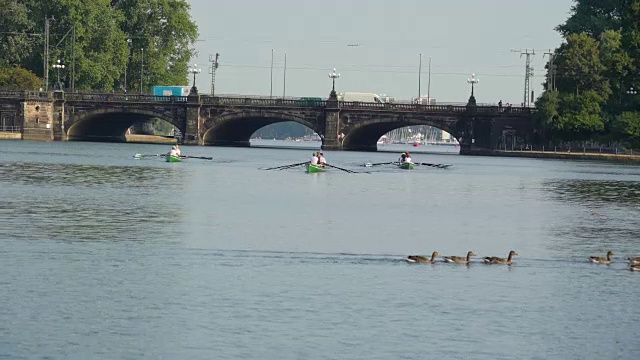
408	158
321	160
174	152
402	157
314	159
178	150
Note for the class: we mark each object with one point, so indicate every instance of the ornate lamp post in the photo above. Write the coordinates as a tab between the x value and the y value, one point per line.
632	91
473	80
333	75
58	65
194	70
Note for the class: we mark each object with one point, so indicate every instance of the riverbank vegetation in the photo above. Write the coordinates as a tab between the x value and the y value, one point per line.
593	81
100	42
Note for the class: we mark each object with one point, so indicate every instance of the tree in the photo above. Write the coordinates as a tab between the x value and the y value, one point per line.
19	78
547	114
579	116
17	37
101	52
580	67
615	60
593	17
627	127
163	28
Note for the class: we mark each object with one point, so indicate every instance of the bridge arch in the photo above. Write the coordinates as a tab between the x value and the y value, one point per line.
235	129
111	124
364	136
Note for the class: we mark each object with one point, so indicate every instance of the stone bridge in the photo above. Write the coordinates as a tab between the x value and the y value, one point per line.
226	121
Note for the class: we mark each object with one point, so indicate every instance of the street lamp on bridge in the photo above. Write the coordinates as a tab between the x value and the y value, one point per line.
473	80
58	65
333	75
632	91
194	70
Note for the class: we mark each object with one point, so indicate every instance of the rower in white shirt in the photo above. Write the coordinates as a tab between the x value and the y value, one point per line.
314	159
321	159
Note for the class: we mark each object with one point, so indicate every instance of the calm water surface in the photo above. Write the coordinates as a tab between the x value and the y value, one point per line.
104	256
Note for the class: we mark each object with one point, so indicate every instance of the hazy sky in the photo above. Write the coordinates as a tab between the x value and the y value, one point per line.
460	36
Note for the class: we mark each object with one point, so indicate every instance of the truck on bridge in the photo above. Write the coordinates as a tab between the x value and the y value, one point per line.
359	97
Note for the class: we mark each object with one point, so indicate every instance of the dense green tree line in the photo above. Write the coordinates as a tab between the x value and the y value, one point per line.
149	39
592	86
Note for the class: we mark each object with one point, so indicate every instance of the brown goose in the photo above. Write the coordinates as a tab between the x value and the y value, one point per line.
459	259
635	267
634	260
423	259
499	260
601	260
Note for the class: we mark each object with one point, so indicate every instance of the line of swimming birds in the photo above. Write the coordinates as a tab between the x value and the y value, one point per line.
634	262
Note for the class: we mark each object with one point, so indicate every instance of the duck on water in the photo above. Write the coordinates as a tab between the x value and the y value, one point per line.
423	259
499	260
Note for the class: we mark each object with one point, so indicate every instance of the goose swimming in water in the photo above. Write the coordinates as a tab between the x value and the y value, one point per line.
635	267
459	259
423	259
499	260
634	260
601	260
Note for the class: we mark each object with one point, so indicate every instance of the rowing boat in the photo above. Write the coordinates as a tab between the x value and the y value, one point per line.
311	168
173	158
406	166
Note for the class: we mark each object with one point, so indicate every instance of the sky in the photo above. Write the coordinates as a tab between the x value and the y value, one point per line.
460	36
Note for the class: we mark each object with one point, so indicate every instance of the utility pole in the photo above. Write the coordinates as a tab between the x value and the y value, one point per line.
528	73
271	86
551	72
46	52
429	83
284	78
142	70
214	66
73	61
419	79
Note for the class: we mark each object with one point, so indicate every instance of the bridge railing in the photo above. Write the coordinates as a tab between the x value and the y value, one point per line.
249	101
262	102
124	98
22	94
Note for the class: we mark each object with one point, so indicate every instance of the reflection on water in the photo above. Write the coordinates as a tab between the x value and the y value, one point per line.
75	202
597	192
600	215
82	175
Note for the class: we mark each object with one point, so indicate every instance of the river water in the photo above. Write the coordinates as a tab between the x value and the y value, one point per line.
107	257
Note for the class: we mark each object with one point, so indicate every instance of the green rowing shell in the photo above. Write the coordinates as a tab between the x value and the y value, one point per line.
315	168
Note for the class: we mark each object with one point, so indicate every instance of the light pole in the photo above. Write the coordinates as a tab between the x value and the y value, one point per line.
632	91
194	70
333	75
141	71
126	65
58	65
473	80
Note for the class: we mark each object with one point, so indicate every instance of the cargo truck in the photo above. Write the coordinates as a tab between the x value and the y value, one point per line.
170	90
359	97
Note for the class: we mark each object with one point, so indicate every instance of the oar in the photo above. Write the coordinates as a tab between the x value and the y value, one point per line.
196	157
441	166
339	168
286	166
376	164
139	156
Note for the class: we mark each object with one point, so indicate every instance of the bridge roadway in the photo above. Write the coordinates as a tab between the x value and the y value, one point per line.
230	121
